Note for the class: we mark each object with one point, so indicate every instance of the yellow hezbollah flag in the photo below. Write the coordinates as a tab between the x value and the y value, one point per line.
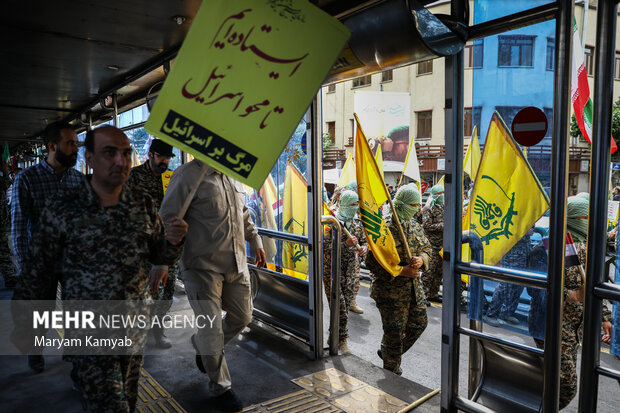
507	198
348	172
472	157
294	219
372	194
165	179
379	159
267	194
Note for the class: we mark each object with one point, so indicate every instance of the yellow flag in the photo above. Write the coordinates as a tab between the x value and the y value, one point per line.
372	194
165	179
348	172
294	220
507	198
379	159
472	157
268	197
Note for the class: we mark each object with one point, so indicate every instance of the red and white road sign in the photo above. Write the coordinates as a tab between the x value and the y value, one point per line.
529	126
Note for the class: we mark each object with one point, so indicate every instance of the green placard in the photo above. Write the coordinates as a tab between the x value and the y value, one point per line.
243	78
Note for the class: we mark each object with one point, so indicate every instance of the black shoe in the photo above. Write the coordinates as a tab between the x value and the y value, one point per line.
435	299
36	363
228	402
199	364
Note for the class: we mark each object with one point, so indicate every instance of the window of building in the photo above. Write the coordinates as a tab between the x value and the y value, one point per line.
589	60
516	51
425	67
474	53
362	81
331	88
425	124
508	113
331	129
386	76
617	67
549	114
471	118
550	53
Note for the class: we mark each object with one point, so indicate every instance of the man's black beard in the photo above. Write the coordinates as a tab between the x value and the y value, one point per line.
67	161
158	168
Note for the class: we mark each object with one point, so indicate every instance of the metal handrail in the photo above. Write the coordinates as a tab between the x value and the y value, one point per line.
334	301
525	278
284	236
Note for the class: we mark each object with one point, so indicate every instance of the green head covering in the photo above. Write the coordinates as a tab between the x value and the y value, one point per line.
405	198
584	195
436	195
352	186
346	211
576	207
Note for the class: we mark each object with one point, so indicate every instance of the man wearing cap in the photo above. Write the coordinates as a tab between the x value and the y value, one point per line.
147	178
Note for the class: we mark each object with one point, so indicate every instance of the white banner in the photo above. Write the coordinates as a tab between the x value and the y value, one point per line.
385	117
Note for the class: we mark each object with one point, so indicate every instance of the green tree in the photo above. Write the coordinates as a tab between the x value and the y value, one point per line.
615	128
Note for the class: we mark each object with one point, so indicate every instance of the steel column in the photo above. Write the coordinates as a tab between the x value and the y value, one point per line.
450	316
557	216
315	231
599	177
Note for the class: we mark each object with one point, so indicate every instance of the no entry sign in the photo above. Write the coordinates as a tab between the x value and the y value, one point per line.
529	126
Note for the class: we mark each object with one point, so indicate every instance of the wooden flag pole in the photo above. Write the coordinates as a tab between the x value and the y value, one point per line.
400	228
192	191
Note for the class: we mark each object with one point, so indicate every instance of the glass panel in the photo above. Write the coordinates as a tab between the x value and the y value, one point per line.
281	204
486	10
502	213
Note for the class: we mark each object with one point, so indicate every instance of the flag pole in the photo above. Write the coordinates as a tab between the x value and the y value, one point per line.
395	217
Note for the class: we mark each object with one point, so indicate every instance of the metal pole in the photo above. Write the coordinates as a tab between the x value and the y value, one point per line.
334	296
475	350
315	233
115	102
557	215
599	175
450	315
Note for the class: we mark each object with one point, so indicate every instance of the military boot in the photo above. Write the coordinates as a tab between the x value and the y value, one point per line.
160	338
355	308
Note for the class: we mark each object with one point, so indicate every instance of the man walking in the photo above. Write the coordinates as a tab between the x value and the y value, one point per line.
147	178
99	241
33	186
214	267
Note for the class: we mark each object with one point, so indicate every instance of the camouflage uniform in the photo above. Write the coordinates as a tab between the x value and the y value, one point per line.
349	271
98	253
143	179
433	227
572	329
400	300
506	295
7	268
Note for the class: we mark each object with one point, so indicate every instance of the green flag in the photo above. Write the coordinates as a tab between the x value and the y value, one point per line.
5	153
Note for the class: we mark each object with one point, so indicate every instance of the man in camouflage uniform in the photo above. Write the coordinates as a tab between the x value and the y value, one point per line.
99	241
147	178
432	218
574	289
401	299
349	260
506	295
6	255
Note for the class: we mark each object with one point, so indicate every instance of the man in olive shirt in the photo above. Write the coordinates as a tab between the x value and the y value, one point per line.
214	266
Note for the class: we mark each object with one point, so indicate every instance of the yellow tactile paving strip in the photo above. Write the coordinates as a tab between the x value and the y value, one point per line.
153	398
331	391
